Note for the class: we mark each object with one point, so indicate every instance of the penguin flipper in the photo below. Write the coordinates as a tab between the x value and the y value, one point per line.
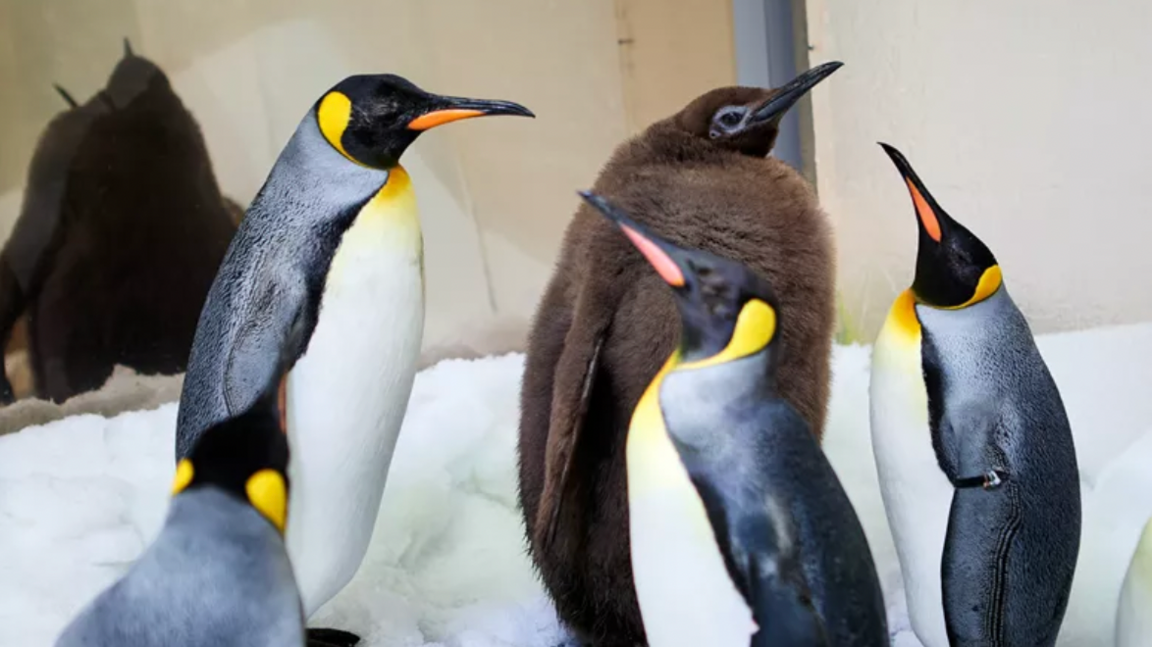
760	554
564	434
783	609
272	329
966	449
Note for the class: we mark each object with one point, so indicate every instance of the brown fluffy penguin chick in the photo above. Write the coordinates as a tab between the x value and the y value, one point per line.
701	179
121	232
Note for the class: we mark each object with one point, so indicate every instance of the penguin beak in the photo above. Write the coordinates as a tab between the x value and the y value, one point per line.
660	254
773	110
928	213
449	109
67	97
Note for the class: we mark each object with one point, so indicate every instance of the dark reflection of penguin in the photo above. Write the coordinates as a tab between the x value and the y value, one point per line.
122	229
700	179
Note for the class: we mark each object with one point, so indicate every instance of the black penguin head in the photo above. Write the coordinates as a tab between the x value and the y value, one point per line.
727	311
372	119
246	455
746	119
132	77
954	269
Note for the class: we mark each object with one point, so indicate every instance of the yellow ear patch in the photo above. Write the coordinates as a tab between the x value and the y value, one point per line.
184	474
755	327
333	115
990	281
269	494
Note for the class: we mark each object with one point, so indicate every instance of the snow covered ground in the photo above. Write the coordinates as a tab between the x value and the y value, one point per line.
81	497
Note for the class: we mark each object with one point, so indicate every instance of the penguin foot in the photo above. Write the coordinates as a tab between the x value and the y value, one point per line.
990	480
331	638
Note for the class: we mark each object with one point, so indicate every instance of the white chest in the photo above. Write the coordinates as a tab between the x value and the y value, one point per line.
917	496
685	594
348	394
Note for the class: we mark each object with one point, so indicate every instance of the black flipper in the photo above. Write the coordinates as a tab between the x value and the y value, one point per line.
775	592
331	638
274	325
67	97
783	608
964	441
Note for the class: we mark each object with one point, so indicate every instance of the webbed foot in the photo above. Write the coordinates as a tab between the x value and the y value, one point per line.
331	638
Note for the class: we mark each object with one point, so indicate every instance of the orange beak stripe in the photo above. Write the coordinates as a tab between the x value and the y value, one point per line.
441	117
927	216
664	265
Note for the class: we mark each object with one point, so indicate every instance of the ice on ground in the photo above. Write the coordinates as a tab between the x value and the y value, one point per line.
81	497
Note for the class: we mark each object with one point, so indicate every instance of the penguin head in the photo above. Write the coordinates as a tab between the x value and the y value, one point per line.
954	269
372	119
746	119
246	455
727	311
132	77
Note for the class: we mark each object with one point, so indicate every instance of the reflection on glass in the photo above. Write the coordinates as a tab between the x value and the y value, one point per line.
118	239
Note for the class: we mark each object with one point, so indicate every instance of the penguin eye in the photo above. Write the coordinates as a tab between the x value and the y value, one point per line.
727	119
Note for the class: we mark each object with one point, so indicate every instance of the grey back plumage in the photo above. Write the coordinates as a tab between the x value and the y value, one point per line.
272	277
216	576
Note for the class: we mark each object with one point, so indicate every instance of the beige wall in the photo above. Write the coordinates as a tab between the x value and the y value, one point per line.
1028	120
495	194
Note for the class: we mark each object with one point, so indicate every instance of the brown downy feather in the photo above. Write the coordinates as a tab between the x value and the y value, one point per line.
719	195
122	231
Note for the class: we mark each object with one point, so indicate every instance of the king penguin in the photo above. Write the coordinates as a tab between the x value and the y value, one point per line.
332	241
702	179
1134	613
741	533
974	451
218	574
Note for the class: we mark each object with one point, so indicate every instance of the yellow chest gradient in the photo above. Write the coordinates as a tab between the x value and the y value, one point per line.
917	496
388	223
347	396
685	594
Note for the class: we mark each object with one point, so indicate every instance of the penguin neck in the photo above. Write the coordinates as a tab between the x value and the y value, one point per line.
666	141
692	400
751	375
213	512
319	175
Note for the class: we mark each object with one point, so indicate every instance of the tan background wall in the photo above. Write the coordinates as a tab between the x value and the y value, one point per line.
495	194
1028	120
